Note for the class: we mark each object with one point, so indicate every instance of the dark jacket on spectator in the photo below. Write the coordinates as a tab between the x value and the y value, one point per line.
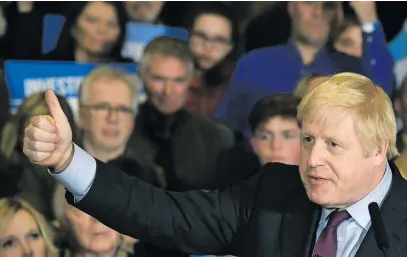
237	164
30	182
177	144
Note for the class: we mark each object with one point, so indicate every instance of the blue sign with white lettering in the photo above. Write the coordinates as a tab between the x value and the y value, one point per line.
27	77
137	35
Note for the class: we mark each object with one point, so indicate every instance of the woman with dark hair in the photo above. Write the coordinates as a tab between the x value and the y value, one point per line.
93	32
214	43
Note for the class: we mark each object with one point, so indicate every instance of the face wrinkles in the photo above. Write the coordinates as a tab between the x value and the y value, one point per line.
333	164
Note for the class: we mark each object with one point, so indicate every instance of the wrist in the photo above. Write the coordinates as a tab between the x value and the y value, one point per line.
66	160
368	19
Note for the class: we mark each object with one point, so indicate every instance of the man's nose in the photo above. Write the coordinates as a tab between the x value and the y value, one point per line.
113	115
168	87
316	156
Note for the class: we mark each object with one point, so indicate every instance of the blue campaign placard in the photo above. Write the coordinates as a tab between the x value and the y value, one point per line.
27	77
52	29
137	35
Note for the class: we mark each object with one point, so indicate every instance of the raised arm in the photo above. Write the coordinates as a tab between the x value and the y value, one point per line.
196	222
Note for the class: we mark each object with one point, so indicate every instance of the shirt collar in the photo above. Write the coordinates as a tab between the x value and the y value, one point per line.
323	52
359	210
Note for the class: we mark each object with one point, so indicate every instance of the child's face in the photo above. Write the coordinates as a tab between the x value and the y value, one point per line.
278	140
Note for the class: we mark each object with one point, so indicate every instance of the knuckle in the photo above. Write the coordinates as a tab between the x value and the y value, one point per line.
39	156
36	134
34	120
36	145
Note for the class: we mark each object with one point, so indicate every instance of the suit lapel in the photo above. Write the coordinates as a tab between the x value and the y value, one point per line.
394	214
298	231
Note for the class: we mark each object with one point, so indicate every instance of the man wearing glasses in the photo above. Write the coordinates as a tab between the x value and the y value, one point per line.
108	101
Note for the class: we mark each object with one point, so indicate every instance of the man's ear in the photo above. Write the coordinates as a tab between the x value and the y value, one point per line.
381	153
81	117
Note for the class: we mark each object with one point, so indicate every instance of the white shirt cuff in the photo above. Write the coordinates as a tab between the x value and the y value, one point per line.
369	27
79	175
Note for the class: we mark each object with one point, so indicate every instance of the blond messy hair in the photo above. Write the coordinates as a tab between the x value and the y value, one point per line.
370	106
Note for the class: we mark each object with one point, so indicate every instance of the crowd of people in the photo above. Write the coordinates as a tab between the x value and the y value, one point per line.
213	115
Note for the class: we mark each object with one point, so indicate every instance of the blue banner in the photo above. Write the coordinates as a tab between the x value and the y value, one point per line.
52	29
27	77
137	35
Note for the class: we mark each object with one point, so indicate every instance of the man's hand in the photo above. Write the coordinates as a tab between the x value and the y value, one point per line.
365	10
48	140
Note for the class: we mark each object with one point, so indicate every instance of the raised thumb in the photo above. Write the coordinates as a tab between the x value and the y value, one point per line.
55	108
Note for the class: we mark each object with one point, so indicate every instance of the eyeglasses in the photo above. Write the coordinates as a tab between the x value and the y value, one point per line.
108	108
216	42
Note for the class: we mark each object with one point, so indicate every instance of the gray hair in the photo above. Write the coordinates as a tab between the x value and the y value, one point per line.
104	72
166	46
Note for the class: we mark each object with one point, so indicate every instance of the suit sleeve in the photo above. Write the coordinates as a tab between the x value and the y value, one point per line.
195	222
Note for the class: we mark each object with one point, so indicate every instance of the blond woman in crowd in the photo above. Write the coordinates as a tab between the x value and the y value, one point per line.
24	231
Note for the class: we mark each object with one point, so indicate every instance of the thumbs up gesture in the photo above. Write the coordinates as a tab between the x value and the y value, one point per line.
48	140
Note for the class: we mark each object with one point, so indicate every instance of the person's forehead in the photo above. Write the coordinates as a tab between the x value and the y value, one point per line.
168	66
280	123
326	4
331	122
21	221
210	19
99	9
114	90
145	3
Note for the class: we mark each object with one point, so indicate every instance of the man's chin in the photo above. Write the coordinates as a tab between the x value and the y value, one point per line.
317	195
313	41
111	146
